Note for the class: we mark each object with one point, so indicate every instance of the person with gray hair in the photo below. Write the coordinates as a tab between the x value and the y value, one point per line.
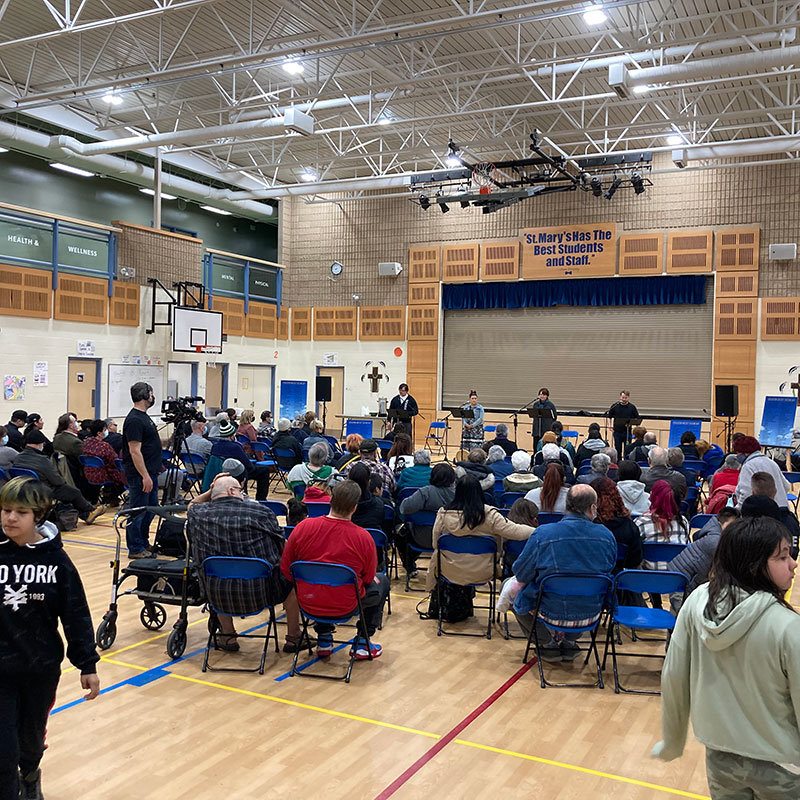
498	464
659	471
613	467
415	476
521	479
501	440
475	465
600	463
317	472
728	475
196	443
114	437
551	454
642	451
576	545
215	422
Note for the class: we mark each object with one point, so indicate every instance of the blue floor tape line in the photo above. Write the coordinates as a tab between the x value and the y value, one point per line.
148	676
88	544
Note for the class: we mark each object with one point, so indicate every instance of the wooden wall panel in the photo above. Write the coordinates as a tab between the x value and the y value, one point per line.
423	322
301	324
423	263
232	314
500	261
735	318
80	299
689	251
736	284
734	358
460	263
780	318
335	323
26	292
737	249
423	387
124	305
382	323
423	294
718	431
641	254
422	356
283	324
262	320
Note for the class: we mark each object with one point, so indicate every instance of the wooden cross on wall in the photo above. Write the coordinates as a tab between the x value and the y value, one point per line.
374	378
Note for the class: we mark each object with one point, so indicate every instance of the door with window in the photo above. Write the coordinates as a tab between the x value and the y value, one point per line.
333	423
83	388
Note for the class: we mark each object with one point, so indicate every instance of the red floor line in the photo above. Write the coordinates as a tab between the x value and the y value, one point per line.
453	733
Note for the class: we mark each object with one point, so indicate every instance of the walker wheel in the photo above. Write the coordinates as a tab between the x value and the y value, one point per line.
106	633
176	643
153	616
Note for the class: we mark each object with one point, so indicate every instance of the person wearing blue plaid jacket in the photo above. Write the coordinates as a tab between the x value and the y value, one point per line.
227	524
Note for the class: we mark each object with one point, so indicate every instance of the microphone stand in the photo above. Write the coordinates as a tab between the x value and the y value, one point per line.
520	411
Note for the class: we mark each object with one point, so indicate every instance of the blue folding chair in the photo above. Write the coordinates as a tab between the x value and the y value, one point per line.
584	470
435	439
276	507
793	478
557	587
420	535
307	575
700	521
662	551
640	581
472	546
384	548
282	471
217	570
334	443
262	453
549	516
489	428
508	498
287	531
4	476
407	492
242	439
318	509
587	462
570	434
384	445
299	491
20	472
93	462
512	550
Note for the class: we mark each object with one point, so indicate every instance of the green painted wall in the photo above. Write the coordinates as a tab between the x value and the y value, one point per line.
30	182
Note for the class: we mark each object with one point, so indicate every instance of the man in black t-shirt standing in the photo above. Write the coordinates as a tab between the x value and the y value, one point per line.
621	413
141	462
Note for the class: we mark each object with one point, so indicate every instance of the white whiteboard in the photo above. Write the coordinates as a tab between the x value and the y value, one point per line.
120	379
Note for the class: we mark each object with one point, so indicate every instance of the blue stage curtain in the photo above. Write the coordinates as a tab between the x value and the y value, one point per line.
655	291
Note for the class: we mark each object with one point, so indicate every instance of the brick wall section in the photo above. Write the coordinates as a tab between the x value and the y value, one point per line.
360	234
159	254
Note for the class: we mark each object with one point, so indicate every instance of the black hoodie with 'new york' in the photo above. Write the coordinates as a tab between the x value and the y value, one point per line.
38	586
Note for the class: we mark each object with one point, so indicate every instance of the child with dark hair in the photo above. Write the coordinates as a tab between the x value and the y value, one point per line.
40	588
296	511
733	665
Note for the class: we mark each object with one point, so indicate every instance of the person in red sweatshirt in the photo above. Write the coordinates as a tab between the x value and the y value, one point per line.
39	586
334	539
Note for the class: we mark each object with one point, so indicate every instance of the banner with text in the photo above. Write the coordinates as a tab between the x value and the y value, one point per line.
577	251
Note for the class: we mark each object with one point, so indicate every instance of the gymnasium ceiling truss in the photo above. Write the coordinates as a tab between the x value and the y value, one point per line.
379	85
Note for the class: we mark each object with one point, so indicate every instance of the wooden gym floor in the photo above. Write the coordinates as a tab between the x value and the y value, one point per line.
450	717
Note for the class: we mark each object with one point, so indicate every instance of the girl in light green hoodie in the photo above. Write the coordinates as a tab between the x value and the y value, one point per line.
733	664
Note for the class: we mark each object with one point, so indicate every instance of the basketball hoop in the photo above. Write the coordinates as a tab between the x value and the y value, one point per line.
484	176
207	348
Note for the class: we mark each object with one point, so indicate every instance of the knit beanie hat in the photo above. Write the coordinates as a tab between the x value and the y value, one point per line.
226	430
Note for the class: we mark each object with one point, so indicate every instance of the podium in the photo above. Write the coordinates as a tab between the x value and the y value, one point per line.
542	421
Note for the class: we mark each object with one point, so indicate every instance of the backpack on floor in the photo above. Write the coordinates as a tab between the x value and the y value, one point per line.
64	516
456	602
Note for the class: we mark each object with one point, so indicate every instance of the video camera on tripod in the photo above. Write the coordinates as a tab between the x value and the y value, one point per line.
181	409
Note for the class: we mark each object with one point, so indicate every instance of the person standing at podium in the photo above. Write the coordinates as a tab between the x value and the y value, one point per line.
542	424
620	414
472	431
403	401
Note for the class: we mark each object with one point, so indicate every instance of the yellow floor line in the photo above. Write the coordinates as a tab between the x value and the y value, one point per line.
296	704
585	770
80	547
123	664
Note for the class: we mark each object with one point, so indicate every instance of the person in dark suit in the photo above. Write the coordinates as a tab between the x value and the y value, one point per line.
403	401
620	413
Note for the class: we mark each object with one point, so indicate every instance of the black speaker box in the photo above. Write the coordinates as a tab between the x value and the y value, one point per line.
726	400
324	388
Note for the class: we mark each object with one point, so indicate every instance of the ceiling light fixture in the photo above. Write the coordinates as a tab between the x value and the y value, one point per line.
293	67
152	193
637	182
444	208
597	187
641	89
385	121
216	210
308	176
112	99
594	15
424	202
674	139
84	173
611	191
3	149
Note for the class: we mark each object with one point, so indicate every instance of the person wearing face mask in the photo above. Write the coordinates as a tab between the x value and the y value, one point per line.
7	454
96	445
66	440
114	437
196	443
141	462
